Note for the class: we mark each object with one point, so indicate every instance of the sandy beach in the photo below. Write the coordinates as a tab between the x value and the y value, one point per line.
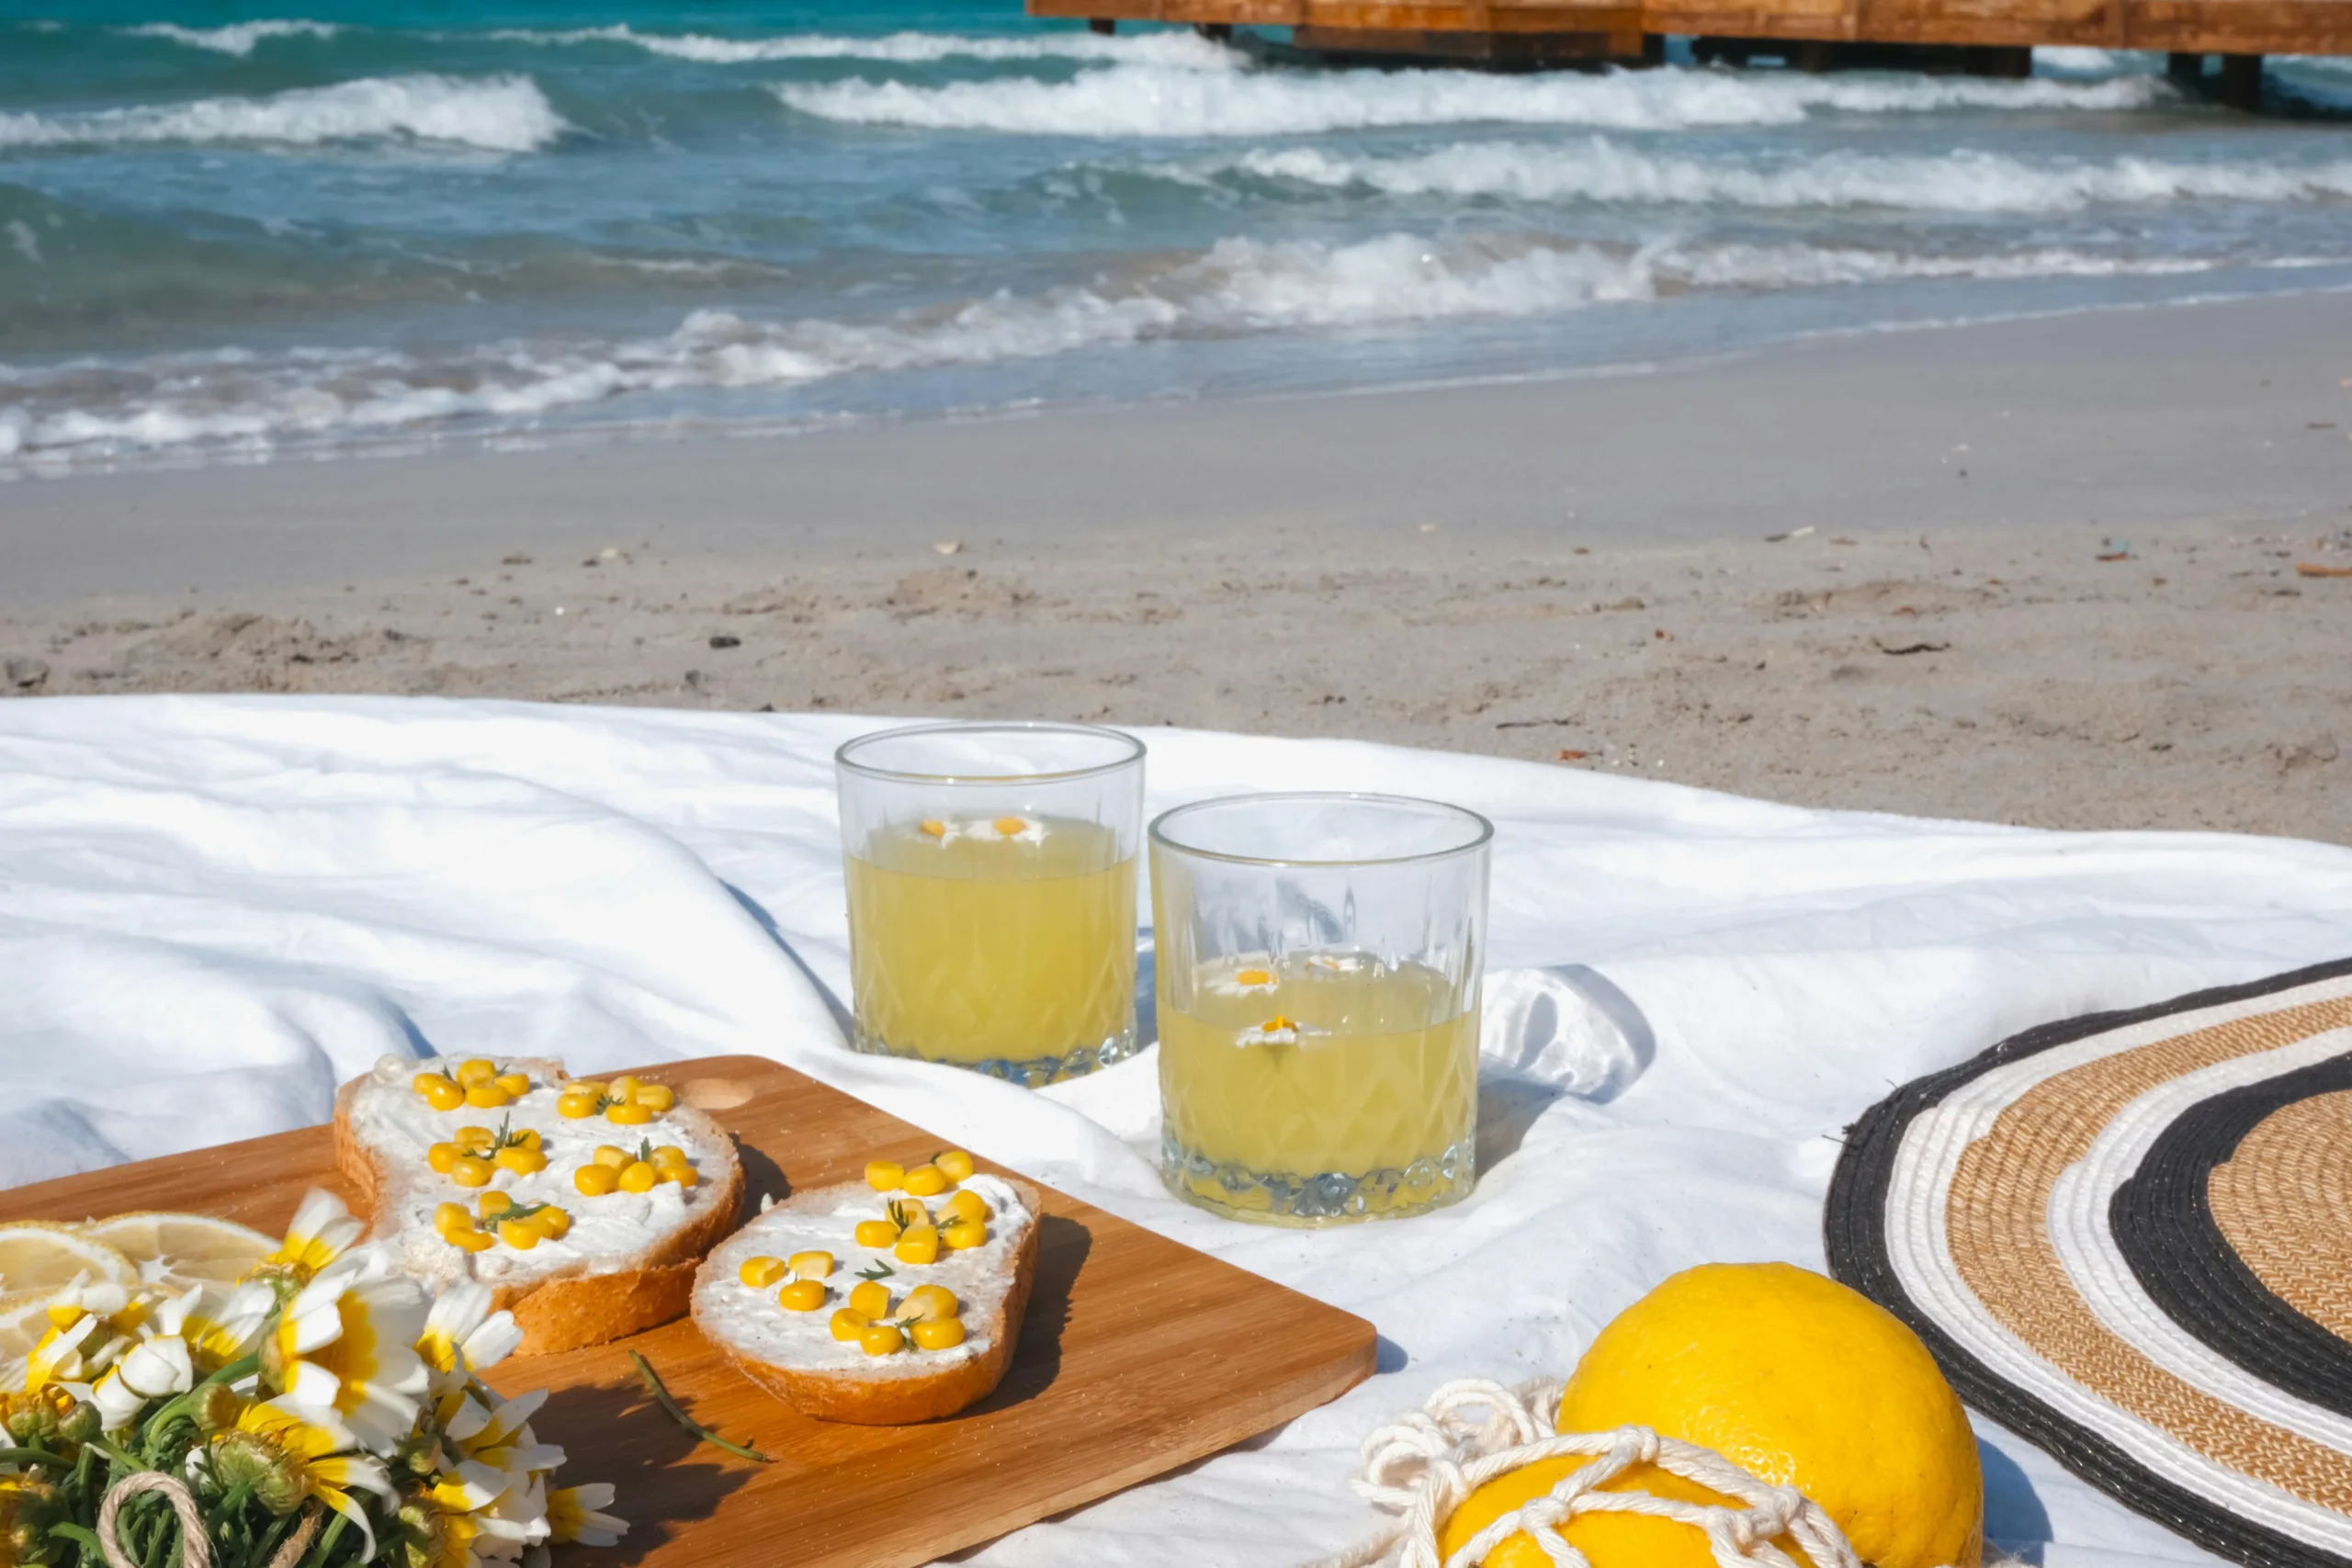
2064	572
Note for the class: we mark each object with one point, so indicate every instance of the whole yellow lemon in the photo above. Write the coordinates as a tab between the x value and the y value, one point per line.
1789	1375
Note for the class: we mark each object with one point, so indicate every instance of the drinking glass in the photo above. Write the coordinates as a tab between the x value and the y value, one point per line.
992	872
1319	960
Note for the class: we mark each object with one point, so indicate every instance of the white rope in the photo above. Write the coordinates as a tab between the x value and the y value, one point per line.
1427	1462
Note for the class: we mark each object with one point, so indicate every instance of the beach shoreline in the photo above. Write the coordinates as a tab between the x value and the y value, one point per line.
2051	576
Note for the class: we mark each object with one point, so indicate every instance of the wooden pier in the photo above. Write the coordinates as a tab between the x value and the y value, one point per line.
1978	37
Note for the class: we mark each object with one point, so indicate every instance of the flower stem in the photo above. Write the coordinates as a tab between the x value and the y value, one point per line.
35	1456
653	1382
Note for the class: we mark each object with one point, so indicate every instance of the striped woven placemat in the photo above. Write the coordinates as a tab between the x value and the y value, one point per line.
2128	1237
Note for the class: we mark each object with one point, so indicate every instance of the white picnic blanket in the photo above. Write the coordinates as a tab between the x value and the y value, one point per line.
212	909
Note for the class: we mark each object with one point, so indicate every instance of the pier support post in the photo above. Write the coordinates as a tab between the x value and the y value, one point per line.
1216	32
2242	80
1106	25
2185	70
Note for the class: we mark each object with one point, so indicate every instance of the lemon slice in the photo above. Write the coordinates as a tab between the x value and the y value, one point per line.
183	1249
37	1258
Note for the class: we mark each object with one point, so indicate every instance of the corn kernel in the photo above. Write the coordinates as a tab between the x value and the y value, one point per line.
683	1175
811	1265
624	1087
554	1224
669	1153
761	1272
472	1241
594	1180
932	827
962	1235
628	1115
471	1170
964	1205
1011	827
474	1140
850	1324
882	1340
529	1138
956	1163
520	1234
801	1295
877	1233
656	1096
940	1333
493	1205
883	1175
908	1212
443	1094
917	1246
872	1298
926	1302
422	1083
447	1217
638	1177
613	1155
926	1182
516	1085
522	1161
440	1156
486	1097
476	1071
575	1107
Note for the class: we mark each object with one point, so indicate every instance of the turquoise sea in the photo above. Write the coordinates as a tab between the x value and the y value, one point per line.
229	232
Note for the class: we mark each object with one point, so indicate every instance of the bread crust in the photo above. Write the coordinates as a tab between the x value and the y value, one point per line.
861	1399
572	1310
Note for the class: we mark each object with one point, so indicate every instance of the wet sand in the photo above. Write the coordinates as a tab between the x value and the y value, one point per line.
2038	572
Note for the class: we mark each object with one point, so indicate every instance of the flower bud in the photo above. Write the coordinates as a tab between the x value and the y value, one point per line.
243	1459
79	1425
216	1409
28	1509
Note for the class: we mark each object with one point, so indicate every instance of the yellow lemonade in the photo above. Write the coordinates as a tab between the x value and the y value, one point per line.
1324	1086
1005	944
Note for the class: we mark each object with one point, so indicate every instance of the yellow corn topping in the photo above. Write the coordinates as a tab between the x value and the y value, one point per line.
927	1302
850	1324
490	1205
940	1333
595	1180
877	1233
638	1177
956	1163
964	1205
520	1234
931	828
613	1155
801	1295
883	1175
1009	826
476	1071
471	1170
811	1265
441	1093
881	1339
919	1245
761	1272
872	1298
961	1235
926	1182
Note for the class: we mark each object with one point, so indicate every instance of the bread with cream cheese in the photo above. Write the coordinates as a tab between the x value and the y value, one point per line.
627	1260
794	1355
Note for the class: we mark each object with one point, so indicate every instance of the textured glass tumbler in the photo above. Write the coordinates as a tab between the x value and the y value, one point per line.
1319	959
992	872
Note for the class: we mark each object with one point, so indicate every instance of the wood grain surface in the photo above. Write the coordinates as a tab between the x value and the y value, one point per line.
1138	1356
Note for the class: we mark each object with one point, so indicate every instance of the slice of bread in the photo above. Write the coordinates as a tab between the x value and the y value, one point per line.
796	1356
626	1261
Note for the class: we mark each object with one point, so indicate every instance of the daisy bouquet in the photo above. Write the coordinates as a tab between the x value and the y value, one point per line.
324	1413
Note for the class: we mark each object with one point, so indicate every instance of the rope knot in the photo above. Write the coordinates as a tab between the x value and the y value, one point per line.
1428	1462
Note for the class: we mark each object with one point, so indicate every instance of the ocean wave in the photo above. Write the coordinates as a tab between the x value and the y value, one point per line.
1174	50
1600	170
1149	100
238	37
497	114
1235	287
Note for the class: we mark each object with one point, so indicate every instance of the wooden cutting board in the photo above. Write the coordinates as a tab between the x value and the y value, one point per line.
1138	1356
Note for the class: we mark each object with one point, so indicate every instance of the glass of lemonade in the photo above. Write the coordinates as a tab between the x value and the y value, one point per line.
991	873
1319	960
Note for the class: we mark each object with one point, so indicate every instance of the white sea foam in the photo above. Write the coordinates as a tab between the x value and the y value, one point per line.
497	114
1238	287
1152	100
1177	49
238	37
1599	169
